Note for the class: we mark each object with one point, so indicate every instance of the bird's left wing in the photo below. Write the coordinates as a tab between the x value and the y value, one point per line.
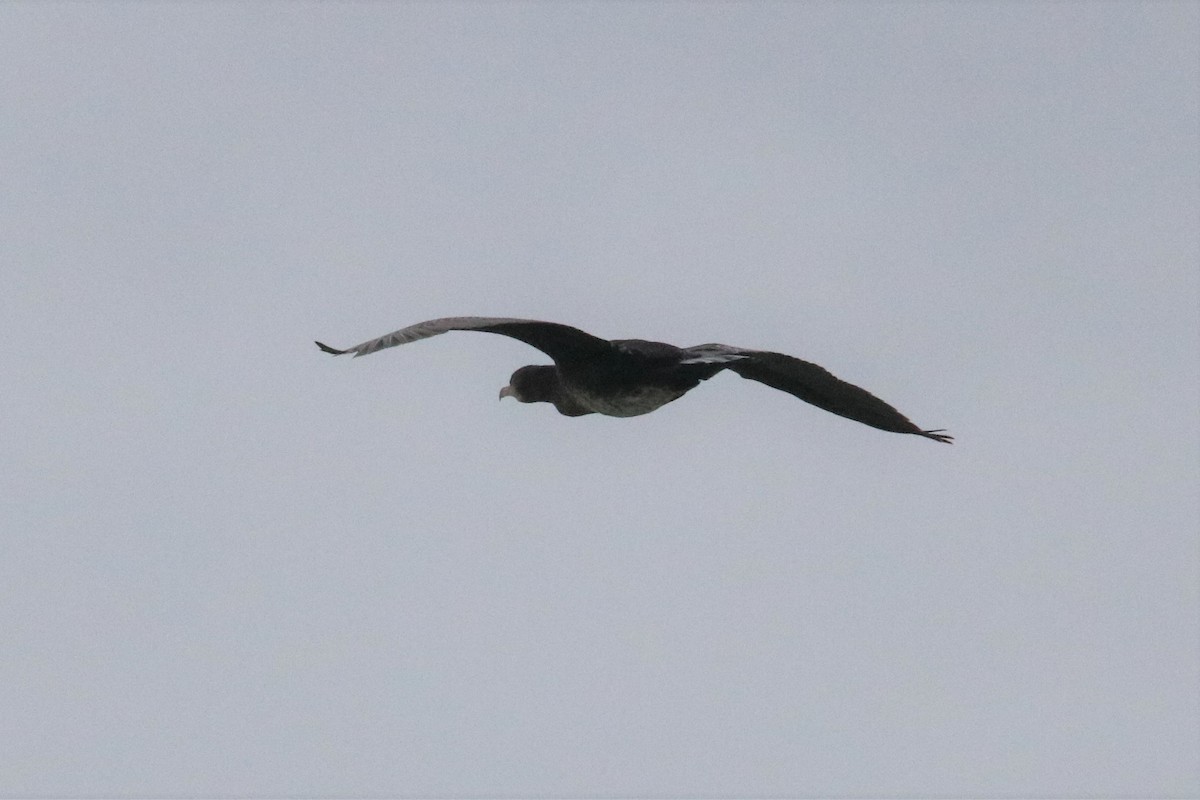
555	340
816	385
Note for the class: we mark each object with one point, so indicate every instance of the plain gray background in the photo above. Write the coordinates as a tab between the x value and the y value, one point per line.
235	566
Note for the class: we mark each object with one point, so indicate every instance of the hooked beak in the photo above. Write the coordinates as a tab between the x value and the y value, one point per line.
507	391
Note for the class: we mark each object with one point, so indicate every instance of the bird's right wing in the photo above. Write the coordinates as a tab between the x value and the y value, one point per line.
816	385
555	340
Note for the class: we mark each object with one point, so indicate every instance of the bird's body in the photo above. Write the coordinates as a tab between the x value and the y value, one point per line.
630	377
636	378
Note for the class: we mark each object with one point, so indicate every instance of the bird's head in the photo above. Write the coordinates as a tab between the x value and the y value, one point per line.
532	384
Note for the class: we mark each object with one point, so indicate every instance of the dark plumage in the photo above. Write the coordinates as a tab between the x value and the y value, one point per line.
628	377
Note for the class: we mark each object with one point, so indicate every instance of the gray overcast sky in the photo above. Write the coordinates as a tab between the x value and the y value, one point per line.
235	566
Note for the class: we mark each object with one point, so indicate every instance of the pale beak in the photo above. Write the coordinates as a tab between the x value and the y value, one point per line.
507	391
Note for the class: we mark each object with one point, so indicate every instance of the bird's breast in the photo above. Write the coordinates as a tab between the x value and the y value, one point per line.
628	402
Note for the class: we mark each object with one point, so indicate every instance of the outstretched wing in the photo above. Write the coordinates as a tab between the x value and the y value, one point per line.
560	342
816	385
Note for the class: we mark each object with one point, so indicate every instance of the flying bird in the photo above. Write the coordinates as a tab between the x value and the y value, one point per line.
628	377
